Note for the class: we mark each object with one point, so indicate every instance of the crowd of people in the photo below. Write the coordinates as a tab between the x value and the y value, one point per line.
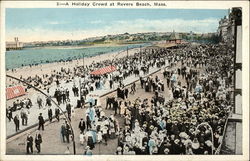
193	120
199	79
98	127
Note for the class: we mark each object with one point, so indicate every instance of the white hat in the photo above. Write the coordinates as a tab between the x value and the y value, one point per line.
195	145
176	141
209	143
119	148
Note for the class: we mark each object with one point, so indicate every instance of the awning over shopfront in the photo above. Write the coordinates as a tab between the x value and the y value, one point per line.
104	70
13	92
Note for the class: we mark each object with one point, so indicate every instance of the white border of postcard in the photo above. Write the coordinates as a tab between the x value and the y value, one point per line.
170	4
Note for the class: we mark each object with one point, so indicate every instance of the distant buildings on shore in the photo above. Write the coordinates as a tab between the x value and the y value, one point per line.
16	45
125	38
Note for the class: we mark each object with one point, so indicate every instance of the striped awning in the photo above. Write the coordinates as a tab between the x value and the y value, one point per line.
104	70
13	92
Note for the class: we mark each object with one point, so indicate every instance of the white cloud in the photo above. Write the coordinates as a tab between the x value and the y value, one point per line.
135	26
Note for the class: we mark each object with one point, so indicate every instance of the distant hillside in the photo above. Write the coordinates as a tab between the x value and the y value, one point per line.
127	38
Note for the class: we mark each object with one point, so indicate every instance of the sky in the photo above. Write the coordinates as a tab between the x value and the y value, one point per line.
44	24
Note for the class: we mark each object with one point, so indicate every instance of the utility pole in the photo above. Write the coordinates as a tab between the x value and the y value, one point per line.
83	55
127	51
80	84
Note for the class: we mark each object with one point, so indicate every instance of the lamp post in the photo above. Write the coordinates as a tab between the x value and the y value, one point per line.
73	136
127	51
83	56
210	128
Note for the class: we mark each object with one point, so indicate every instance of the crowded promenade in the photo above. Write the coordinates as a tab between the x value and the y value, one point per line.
160	101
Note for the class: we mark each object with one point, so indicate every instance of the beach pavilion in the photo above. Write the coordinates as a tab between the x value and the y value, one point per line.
174	38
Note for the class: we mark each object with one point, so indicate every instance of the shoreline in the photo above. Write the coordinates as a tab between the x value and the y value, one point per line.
117	49
47	68
83	46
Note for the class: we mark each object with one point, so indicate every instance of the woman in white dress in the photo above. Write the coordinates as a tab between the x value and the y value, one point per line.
122	109
99	137
81	137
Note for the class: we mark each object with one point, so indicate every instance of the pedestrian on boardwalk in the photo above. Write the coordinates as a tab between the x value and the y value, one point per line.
88	151
63	132
50	114
24	117
39	102
81	138
126	93
9	114
115	106
88	121
68	131
48	102
133	88
29	144
17	122
57	113
68	108
82	126
111	83
41	121
38	141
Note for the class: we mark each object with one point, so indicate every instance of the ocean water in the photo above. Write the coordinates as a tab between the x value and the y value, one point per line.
34	56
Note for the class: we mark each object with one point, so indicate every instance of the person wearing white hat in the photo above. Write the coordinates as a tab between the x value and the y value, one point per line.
126	150
119	151
88	151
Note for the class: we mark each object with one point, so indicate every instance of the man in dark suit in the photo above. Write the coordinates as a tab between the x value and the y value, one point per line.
88	122
38	141
41	121
9	113
82	125
63	132
68	108
68	131
82	102
29	145
115	105
48	102
110	83
57	113
50	114
17	122
126	92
